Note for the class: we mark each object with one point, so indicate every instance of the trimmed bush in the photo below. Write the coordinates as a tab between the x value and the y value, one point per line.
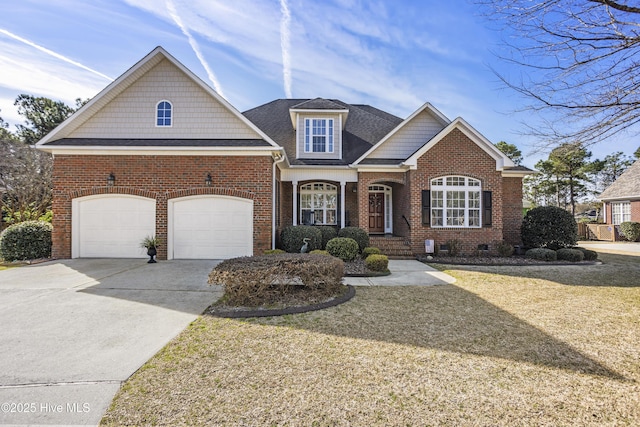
455	247
291	238
274	251
370	250
589	255
26	240
573	255
319	252
549	227
630	230
504	249
328	232
344	248
357	234
377	262
268	279
541	254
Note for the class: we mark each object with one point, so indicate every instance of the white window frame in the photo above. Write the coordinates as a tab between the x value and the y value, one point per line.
311	131
321	198
620	212
164	117
457	200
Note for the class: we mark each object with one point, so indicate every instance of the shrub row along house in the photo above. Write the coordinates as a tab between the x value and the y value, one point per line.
158	152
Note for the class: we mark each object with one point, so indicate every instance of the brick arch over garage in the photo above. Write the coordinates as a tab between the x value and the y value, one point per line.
210	191
94	191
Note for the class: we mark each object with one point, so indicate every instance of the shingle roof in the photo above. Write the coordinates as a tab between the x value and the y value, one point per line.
318	104
627	184
119	142
365	126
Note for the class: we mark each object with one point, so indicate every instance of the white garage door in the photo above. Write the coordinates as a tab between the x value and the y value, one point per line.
210	227
111	226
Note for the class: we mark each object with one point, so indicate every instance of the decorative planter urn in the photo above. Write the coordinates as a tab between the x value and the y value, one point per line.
151	252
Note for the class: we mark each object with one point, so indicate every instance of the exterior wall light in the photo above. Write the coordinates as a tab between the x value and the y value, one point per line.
111	179
207	180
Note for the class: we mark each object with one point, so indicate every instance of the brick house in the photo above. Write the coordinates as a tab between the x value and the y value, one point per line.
158	152
621	199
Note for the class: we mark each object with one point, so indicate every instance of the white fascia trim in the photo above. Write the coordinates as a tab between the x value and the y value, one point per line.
377	168
501	159
426	106
518	173
295	112
157	52
621	199
155	151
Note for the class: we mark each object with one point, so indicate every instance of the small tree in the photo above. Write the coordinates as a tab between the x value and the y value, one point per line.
549	227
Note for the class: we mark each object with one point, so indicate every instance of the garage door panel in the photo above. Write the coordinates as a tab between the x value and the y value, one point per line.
211	227
112	226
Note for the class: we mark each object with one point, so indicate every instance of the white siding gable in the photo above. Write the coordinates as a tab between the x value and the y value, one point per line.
196	114
409	138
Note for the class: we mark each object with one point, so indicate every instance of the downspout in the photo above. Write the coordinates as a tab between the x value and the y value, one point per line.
278	157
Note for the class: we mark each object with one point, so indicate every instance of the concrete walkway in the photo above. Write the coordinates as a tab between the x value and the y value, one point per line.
404	273
72	331
623	248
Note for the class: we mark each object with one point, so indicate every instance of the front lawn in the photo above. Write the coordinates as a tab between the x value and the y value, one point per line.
549	345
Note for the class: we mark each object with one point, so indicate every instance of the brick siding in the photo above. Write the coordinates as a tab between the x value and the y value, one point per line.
161	178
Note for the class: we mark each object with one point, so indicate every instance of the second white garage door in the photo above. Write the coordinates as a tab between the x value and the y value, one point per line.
210	227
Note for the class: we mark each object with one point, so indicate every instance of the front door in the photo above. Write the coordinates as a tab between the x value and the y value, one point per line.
376	212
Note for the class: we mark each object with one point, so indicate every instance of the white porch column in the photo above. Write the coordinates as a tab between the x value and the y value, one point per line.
295	202
343	186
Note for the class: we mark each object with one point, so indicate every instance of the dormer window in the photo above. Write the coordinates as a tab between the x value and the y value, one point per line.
318	135
164	114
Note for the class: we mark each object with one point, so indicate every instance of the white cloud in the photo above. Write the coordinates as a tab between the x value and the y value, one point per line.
285	45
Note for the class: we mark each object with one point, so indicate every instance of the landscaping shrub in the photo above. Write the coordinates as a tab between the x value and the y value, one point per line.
291	238
370	250
549	227
26	240
630	230
328	232
455	247
344	248
504	249
589	255
573	255
541	254
268	279
274	251
319	252
357	234
377	262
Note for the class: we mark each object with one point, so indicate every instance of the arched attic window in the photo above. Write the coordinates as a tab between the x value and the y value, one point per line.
164	114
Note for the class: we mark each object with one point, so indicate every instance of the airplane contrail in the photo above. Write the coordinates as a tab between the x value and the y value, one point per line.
52	53
285	45
194	45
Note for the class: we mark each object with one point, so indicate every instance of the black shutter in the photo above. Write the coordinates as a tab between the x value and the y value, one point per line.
426	207
486	209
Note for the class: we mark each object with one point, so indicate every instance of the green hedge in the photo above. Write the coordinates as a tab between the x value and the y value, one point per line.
26	240
344	248
549	227
357	234
328	232
573	255
370	250
589	255
377	262
291	238
542	254
630	230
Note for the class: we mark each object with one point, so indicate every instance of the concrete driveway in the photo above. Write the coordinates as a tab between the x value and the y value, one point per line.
72	331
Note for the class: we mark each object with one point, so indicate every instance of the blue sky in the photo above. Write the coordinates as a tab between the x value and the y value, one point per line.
392	54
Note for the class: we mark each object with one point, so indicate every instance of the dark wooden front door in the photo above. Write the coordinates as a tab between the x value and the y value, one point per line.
376	212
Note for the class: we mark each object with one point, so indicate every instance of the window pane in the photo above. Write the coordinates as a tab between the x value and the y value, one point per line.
474	218
436	217
437	200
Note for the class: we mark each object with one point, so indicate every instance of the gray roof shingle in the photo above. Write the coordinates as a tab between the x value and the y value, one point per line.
365	126
627	184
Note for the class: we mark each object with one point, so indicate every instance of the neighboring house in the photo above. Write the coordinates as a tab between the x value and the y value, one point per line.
158	152
622	198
